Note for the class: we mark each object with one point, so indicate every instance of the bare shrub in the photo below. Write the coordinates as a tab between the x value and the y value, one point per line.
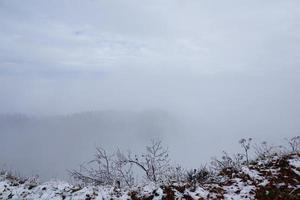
105	169
154	162
201	175
124	169
176	174
245	143
264	150
98	171
294	144
15	178
233	162
116	168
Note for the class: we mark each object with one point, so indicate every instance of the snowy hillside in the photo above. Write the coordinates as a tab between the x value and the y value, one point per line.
275	178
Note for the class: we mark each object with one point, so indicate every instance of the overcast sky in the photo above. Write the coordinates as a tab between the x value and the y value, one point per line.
68	56
225	68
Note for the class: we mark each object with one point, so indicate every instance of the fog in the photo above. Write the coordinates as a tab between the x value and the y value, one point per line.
199	75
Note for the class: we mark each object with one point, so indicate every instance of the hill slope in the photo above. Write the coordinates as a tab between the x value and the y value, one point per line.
275	178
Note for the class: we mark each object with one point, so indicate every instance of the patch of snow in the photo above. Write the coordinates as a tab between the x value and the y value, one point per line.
149	188
295	162
296	172
255	175
199	192
159	195
239	190
264	183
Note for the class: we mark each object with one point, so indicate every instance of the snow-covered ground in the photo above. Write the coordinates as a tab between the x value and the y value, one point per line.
277	178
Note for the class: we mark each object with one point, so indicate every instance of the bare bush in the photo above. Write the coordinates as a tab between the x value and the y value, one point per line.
124	169
15	178
176	174
234	162
294	144
99	171
105	169
154	162
116	169
264	150
245	143
201	175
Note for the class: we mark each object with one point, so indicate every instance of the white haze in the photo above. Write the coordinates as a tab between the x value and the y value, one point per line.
208	72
